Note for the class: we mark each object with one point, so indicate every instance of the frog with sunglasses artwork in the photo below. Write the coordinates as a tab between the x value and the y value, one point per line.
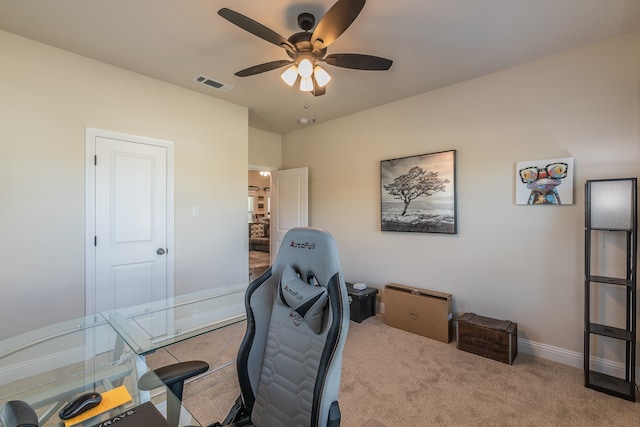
543	182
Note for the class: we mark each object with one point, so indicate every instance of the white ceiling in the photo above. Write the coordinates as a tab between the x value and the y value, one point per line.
433	43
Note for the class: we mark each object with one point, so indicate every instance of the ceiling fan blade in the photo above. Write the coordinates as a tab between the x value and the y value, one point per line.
358	61
255	28
257	69
335	22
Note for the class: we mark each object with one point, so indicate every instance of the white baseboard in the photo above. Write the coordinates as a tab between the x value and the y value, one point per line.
572	358
549	352
562	355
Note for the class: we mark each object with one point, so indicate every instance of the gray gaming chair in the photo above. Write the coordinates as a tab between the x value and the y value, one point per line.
290	360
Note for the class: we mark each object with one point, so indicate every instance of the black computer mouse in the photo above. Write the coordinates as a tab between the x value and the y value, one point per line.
80	404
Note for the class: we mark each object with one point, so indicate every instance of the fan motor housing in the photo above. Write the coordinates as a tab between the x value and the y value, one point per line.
306	21
302	42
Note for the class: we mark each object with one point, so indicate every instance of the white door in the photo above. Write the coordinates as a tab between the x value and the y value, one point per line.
130	260
289	204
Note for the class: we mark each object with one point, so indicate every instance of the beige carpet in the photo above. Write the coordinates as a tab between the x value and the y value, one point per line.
394	378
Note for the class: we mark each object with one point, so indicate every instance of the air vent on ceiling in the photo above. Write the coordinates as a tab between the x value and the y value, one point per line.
204	80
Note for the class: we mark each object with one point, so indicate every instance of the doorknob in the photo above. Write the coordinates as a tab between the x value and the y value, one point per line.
160	251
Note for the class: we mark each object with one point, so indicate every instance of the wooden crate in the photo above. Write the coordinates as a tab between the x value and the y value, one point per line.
492	338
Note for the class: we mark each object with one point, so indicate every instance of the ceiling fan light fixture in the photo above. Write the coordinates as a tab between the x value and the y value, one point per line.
307	49
321	76
305	68
290	75
306	84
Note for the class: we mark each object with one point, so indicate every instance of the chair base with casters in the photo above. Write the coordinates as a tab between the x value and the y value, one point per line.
290	360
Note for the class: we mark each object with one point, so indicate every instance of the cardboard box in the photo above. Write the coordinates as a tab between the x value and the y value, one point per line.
423	312
362	303
484	336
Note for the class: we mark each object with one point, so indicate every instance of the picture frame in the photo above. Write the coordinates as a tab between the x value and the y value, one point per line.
418	193
544	182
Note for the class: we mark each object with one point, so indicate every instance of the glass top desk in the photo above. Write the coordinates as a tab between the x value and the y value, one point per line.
51	366
148	327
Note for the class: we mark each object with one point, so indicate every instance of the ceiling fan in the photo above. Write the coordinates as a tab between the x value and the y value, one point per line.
307	49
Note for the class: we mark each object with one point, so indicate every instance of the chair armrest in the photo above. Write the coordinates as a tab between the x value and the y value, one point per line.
172	374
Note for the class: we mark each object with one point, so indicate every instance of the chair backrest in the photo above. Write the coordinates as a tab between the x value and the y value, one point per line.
290	359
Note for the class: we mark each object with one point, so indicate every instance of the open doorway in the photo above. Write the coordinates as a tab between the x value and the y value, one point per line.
259	218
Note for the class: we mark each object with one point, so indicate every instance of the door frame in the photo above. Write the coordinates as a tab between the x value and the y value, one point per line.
90	208
276	206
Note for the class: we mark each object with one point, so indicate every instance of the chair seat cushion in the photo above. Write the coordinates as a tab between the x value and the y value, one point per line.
306	301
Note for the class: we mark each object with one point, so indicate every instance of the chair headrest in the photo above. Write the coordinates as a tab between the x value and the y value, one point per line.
306	300
308	250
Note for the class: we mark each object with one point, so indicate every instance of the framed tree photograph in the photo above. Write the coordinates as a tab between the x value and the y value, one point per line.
418	193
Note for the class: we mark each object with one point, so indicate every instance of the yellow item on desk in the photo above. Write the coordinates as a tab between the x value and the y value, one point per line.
110	399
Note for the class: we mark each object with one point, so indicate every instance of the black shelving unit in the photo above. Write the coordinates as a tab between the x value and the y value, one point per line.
611	208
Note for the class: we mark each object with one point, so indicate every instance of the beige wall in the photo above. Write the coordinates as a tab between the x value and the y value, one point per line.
264	149
507	261
47	98
523	263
